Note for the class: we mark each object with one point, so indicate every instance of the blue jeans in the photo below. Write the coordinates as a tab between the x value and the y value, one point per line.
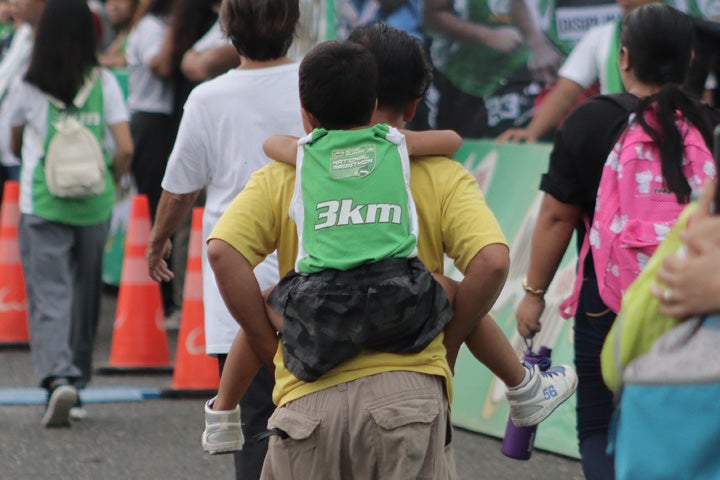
594	401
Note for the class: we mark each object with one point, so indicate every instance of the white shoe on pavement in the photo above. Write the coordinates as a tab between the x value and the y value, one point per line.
544	392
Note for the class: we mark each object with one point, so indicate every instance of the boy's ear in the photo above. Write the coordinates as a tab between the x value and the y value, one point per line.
310	122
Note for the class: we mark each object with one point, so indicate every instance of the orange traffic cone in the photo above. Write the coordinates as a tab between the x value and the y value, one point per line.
139	342
196	374
13	300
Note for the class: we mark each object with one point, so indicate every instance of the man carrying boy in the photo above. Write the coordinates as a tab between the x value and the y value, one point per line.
337	416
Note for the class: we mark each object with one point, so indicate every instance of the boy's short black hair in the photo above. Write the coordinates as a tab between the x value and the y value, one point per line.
338	84
260	29
404	71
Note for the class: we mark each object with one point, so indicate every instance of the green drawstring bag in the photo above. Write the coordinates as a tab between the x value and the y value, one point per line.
640	322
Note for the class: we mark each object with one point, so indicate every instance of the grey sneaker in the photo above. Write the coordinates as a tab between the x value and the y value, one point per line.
60	400
533	403
223	432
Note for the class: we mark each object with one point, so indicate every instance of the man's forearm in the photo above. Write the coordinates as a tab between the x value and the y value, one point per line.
243	298
484	279
554	107
526	20
172	210
201	66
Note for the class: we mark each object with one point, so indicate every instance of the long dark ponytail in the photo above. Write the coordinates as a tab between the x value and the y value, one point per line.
659	41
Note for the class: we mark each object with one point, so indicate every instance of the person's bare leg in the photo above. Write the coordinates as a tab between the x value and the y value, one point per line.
242	365
486	342
276	320
240	368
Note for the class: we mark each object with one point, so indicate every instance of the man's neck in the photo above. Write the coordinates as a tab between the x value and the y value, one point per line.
391	118
248	64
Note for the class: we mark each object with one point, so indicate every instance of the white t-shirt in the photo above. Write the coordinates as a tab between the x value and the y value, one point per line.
147	92
13	65
588	61
218	146
27	105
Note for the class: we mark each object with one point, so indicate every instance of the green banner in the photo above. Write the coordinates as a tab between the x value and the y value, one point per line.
115	243
509	176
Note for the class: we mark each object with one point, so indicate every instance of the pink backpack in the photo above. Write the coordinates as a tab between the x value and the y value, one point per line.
634	211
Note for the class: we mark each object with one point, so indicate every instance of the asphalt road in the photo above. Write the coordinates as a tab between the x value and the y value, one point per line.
159	439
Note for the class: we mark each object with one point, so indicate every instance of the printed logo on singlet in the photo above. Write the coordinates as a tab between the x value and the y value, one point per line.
336	213
358	161
89	119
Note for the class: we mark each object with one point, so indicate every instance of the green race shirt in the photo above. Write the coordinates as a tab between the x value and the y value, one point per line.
352	201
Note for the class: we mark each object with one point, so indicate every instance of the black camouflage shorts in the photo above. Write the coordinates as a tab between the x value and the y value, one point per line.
328	317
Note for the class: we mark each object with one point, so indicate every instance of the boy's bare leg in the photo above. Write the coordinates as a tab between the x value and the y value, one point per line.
240	368
485	339
276	320
241	365
488	343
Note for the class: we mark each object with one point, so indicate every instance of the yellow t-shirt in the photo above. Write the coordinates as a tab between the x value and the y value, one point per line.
453	218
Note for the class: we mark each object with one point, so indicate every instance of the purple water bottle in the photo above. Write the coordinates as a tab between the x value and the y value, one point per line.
518	441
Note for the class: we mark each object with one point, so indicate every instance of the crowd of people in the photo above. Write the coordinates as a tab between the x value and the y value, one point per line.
335	331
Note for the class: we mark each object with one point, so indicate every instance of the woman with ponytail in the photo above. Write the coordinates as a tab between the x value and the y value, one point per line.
655	54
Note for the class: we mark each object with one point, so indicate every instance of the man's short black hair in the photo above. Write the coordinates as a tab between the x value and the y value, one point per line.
404	71
260	29
338	84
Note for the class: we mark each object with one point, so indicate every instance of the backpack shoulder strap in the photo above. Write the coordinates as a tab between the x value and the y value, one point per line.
569	306
82	94
626	101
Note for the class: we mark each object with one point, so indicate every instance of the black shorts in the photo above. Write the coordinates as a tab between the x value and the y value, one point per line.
328	317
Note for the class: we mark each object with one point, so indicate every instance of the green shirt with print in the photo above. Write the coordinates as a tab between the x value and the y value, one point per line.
355	205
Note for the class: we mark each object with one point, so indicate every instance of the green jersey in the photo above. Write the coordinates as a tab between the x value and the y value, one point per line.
352	202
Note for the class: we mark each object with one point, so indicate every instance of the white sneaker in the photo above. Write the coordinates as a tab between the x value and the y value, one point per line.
223	432
78	412
60	401
533	403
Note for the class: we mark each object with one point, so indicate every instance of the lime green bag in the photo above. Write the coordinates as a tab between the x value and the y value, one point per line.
640	322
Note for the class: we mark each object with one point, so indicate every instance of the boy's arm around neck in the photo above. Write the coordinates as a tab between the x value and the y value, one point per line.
282	148
432	142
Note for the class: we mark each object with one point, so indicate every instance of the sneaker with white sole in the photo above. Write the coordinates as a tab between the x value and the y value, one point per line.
544	392
223	432
61	399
